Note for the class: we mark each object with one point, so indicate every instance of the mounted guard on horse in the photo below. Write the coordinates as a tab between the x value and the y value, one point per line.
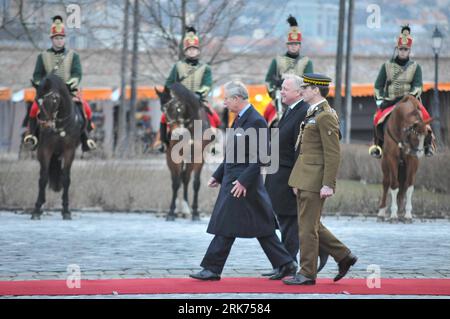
289	63
65	64
398	78
195	76
183	103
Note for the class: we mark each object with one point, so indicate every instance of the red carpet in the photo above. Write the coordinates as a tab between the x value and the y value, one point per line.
226	285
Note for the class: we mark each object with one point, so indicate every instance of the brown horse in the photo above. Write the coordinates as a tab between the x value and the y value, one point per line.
404	135
60	124
183	112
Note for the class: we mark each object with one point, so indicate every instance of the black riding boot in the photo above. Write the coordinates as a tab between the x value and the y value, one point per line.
428	145
163	136
376	149
32	136
87	143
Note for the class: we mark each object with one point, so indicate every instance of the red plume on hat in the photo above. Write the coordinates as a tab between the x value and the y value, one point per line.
57	27
191	39
294	34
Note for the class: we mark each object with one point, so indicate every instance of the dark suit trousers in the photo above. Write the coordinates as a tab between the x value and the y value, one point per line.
220	248
289	234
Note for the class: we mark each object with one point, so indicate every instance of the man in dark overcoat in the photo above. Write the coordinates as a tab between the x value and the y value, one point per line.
243	208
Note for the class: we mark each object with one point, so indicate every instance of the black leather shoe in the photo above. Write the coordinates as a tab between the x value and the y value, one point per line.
205	274
269	274
299	279
428	152
162	148
323	258
344	266
288	269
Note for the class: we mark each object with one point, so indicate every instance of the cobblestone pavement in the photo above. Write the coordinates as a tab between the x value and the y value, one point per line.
121	245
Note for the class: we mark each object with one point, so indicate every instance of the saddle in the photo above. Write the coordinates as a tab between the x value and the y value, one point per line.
381	115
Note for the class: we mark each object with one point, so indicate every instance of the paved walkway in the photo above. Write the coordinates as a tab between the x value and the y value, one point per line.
121	245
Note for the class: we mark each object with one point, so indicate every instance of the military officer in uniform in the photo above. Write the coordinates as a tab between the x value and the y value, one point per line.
193	74
282	196
314	177
243	207
398	77
289	63
65	63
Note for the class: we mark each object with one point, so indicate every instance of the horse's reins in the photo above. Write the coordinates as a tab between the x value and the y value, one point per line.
185	122
52	120
401	143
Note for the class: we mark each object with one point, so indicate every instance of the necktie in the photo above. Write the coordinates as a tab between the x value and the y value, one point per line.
285	114
287	111
235	121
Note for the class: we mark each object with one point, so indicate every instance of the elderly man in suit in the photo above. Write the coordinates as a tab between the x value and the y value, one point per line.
243	207
314	175
282	196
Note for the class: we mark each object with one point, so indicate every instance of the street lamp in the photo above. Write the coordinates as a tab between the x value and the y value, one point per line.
437	44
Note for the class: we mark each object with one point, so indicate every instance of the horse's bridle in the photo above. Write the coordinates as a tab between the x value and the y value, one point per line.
51	119
402	143
177	105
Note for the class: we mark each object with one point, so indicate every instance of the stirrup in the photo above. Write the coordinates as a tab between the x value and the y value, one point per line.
91	144
30	139
375	151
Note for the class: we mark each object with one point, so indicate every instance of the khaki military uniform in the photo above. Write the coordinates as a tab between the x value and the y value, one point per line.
316	166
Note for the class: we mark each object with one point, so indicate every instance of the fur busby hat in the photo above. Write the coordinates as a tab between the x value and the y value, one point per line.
294	34
57	27
191	39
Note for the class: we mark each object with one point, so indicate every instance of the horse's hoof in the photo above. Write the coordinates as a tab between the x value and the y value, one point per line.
195	217
408	221
380	219
67	216
170	217
393	220
35	216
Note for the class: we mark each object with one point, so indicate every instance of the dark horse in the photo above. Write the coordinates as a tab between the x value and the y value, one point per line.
60	126
182	108
404	135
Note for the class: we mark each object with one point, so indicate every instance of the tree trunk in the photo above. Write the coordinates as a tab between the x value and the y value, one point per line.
339	60
348	74
122	118
134	71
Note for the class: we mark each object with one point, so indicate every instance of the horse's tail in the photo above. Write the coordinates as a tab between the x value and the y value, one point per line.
55	174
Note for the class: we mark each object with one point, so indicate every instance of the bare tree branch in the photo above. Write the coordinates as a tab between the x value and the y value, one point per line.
23	23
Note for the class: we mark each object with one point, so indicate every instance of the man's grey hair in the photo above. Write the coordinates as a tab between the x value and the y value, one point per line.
236	88
296	80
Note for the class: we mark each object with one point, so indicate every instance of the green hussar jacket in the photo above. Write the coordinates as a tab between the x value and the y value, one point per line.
195	77
395	80
65	64
284	64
